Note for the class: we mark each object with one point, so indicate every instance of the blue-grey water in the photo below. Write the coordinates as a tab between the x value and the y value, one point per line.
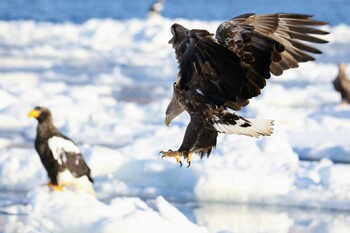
77	11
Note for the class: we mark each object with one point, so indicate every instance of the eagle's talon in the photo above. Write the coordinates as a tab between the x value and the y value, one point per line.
170	153
58	188
55	187
189	157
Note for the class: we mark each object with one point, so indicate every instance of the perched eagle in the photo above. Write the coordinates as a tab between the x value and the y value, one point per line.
156	8
342	85
218	75
60	156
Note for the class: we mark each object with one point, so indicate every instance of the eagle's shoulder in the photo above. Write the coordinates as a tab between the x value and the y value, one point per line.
60	142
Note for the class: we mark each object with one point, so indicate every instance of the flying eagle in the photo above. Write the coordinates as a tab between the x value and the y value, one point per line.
219	75
342	85
60	156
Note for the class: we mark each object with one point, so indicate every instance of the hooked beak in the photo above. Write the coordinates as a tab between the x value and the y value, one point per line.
34	113
173	32
167	120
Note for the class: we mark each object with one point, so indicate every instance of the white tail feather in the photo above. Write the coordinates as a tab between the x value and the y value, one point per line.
256	128
80	185
84	185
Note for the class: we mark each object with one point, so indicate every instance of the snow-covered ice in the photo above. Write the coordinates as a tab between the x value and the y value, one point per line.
108	82
69	212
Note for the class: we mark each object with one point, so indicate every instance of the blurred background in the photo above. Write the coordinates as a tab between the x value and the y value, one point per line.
80	11
105	70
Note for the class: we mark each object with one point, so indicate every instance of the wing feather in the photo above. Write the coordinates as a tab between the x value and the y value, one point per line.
277	42
67	153
247	49
214	67
289	30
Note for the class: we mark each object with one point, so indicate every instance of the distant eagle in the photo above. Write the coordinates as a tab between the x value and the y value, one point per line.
342	84
218	75
156	8
60	156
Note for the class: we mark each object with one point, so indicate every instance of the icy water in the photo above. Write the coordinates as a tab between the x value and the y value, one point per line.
117	68
334	11
258	218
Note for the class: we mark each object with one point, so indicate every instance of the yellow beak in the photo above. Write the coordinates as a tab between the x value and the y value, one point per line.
167	120
34	113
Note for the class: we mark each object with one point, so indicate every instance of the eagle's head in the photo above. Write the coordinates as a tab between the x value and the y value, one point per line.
175	107
179	32
40	113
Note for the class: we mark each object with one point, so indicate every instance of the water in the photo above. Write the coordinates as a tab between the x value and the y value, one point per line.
78	11
270	219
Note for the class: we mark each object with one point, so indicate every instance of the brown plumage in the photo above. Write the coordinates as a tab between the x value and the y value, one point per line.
342	84
225	72
61	157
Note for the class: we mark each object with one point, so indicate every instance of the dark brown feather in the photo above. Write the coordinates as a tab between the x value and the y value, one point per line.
247	50
342	84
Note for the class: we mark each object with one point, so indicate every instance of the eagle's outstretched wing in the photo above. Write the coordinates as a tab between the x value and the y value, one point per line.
233	68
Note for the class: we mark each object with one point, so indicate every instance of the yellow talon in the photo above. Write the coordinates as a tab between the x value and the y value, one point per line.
189	157
55	187
177	155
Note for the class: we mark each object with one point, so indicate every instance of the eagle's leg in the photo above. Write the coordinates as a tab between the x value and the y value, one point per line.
176	154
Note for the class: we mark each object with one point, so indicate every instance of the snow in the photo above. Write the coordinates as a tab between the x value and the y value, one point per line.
69	212
108	83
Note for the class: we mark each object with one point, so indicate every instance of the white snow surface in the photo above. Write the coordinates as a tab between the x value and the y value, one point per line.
68	212
108	83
